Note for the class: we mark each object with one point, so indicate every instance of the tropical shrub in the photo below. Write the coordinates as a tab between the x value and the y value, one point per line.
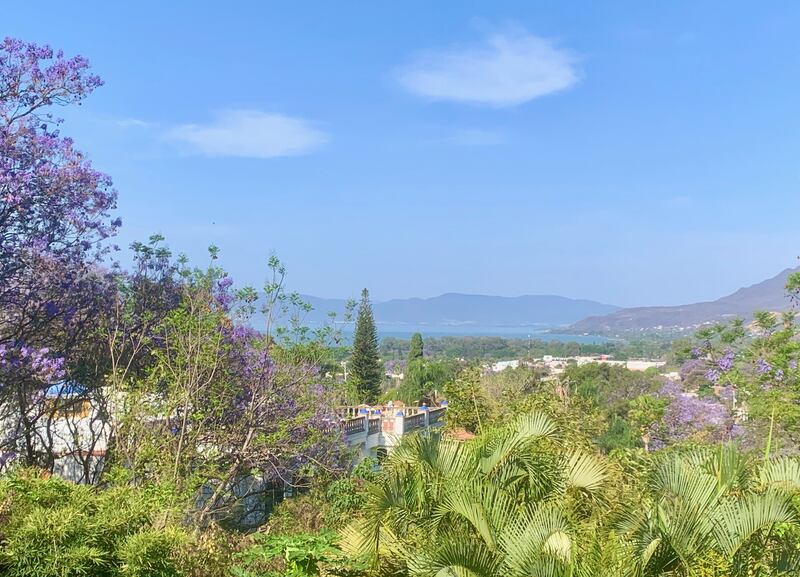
519	501
51	527
301	555
507	503
714	511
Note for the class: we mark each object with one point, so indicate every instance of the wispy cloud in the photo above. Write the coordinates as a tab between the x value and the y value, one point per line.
511	67
249	134
133	123
474	137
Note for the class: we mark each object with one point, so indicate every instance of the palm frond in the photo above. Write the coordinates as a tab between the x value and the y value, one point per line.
457	558
540	532
524	430
729	466
484	506
737	521
585	472
783	473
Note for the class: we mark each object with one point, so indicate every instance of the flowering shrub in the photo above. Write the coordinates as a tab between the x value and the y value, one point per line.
688	417
753	372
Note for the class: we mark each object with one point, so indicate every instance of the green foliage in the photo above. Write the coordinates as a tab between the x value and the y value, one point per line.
619	435
421	379
346	497
415	348
507	503
329	505
474	348
468	407
54	528
302	513
645	411
793	284
610	387
149	553
366	367
608	391
300	555
490	400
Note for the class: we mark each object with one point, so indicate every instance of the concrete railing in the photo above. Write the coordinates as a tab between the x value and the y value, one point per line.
360	421
373	431
376	410
374	426
414	422
435	415
354	426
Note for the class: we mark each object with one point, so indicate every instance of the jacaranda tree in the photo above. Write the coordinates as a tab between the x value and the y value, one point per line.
54	216
225	413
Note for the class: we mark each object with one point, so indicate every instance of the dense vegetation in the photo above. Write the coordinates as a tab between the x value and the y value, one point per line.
149	430
500	348
525	500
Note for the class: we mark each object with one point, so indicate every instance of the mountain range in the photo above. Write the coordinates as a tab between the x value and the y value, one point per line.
549	311
453	309
768	295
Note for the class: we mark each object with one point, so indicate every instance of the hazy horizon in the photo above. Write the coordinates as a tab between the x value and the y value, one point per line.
356	293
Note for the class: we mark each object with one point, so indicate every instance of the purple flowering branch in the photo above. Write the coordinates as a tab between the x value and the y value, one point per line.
54	220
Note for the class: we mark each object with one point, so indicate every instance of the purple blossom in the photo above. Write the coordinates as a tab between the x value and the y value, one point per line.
56	215
394	366
763	367
726	362
7	457
691	371
712	375
728	393
223	294
793	364
688	416
285	402
33	363
779	374
696	352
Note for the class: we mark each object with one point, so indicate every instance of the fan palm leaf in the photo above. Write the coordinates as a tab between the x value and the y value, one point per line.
737	521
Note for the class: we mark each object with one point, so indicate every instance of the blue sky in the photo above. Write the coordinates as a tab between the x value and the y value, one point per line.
629	152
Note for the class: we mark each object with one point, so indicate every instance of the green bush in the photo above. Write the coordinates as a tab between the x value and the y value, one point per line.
53	528
300	555
330	505
304	513
150	553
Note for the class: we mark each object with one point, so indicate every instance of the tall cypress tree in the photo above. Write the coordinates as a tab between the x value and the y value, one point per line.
415	349
366	365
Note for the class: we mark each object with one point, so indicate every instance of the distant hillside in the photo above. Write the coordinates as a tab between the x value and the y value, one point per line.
461	309
767	295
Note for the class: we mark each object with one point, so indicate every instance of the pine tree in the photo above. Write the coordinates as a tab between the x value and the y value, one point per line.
366	365
415	349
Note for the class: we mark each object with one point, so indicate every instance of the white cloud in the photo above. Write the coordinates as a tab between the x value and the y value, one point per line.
250	134
475	137
133	123
512	67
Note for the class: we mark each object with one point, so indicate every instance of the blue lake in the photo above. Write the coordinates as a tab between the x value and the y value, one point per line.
508	332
